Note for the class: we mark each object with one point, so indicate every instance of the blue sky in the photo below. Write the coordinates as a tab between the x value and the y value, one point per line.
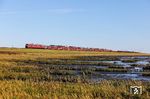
111	24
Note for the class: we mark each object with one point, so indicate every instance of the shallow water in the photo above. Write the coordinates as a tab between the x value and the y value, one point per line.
134	73
129	76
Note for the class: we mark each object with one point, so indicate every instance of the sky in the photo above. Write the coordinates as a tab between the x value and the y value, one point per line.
111	24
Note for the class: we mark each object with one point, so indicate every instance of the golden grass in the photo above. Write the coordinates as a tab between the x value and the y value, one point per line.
13	88
57	90
35	53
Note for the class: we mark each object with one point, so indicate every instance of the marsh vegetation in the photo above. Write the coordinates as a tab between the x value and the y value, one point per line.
49	74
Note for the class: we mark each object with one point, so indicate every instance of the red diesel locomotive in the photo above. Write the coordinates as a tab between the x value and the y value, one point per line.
35	46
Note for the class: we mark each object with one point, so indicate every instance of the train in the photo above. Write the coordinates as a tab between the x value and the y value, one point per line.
70	48
61	47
